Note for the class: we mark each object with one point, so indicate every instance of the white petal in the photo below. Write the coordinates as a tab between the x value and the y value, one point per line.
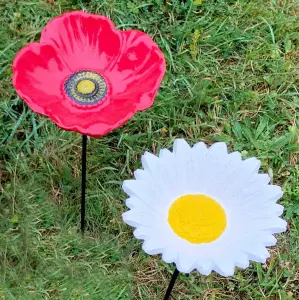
182	165
164	173
215	162
198	167
279	226
153	245
231	179
156	171
181	147
218	177
129	219
144	192
241	260
130	203
242	177
263	238
218	151
131	187
272	225
143	175
185	263
258	254
204	265
268	240
278	209
255	184
251	165
261	210
199	149
142	233
165	154
169	255
273	193
137	204
263	178
135	217
269	193
224	266
149	161
235	156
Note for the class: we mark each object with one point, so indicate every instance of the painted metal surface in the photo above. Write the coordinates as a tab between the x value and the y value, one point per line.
88	76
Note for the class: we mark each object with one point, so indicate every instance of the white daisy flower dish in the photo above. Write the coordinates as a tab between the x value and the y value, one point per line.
203	208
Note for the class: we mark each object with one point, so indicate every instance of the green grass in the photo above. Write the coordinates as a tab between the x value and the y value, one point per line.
232	75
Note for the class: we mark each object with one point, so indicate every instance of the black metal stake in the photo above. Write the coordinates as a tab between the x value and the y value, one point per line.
171	284
83	183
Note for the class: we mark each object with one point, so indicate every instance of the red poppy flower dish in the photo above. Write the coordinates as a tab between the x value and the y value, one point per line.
88	76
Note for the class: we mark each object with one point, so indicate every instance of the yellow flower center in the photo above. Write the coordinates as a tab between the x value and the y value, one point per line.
197	218
86	86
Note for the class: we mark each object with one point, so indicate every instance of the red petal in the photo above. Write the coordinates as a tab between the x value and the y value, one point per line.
85	41
93	122
38	74
139	70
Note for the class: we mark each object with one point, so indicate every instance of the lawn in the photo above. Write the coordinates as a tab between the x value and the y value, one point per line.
232	75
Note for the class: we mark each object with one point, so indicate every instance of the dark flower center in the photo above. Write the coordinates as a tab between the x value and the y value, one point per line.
86	87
